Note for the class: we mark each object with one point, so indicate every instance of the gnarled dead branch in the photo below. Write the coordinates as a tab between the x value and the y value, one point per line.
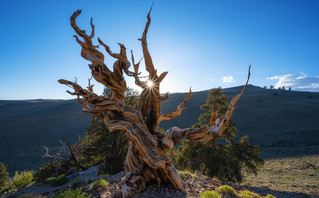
176	113
146	160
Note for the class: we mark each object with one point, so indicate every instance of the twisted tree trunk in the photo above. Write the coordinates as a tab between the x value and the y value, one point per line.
146	160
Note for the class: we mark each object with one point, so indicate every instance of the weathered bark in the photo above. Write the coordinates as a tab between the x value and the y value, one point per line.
146	160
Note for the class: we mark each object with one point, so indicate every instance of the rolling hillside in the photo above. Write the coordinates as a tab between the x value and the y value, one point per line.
283	123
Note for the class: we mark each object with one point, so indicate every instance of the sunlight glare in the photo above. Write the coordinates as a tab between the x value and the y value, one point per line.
150	84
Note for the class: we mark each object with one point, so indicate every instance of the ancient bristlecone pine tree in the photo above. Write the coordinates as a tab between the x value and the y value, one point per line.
146	160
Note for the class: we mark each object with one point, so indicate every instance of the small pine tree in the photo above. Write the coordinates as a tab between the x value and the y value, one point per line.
228	159
4	175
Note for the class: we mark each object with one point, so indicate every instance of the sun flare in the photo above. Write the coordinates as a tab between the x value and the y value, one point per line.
150	84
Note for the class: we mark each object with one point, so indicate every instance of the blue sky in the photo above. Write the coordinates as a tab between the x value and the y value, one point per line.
202	44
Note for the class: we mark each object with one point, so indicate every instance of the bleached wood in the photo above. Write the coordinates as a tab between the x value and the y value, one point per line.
146	160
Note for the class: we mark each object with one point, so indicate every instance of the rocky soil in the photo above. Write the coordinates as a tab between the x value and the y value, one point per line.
194	184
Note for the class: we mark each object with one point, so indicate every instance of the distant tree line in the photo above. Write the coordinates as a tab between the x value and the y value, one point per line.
280	88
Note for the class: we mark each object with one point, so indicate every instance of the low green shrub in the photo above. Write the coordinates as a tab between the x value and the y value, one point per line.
248	194
4	175
61	180
77	182
270	196
53	169
227	191
184	174
45	171
20	180
288	177
210	194
75	193
99	183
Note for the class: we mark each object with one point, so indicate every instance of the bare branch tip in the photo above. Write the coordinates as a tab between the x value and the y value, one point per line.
148	15
76	13
62	81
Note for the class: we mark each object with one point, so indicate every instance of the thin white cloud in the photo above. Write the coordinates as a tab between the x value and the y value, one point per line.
212	79
302	82
228	79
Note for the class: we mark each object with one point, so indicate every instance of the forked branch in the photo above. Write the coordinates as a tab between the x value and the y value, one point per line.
101	73
138	82
212	131
176	113
56	157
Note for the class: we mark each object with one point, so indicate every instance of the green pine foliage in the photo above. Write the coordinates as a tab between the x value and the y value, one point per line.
103	147
72	193
225	159
100	146
53	169
4	175
20	180
45	171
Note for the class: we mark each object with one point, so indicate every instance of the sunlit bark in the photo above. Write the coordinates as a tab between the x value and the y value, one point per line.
146	160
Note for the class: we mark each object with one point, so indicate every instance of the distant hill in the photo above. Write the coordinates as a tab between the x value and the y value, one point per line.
27	125
283	123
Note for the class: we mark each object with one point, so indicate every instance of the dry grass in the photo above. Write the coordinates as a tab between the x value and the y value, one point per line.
300	174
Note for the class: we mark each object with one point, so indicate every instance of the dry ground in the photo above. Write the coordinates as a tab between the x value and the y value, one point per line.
300	174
